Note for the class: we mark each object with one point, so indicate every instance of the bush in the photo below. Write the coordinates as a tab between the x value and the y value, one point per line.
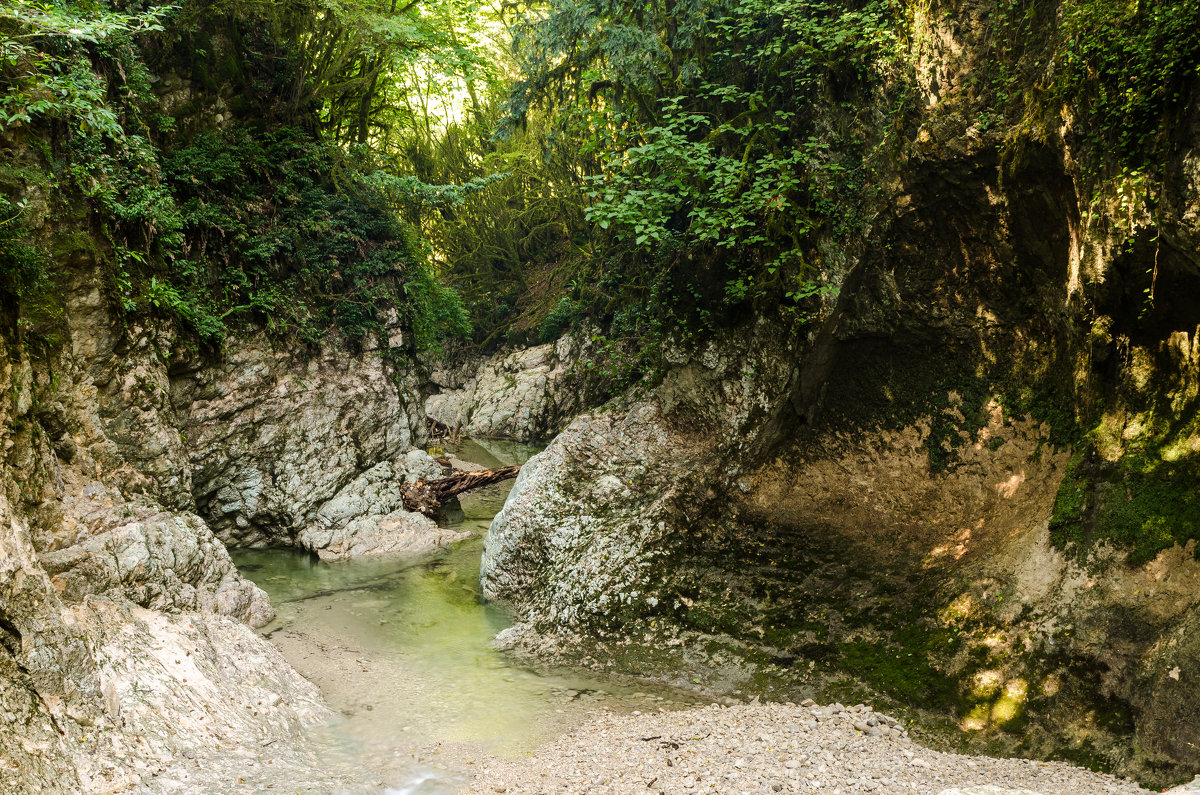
559	320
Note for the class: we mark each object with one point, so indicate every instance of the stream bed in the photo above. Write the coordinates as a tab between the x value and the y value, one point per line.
402	651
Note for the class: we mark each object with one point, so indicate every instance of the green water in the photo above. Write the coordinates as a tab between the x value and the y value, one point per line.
403	652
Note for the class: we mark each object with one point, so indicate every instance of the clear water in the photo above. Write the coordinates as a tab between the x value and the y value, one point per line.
403	652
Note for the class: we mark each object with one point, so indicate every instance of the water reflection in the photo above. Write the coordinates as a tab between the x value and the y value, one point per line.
404	653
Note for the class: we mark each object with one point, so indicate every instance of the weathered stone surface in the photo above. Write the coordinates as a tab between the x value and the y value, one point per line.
160	560
99	694
367	517
526	394
273	437
570	543
41	654
182	692
583	533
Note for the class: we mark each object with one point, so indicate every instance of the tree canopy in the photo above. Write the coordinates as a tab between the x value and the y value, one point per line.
503	172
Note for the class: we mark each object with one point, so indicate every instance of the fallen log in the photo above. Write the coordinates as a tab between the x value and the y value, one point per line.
428	496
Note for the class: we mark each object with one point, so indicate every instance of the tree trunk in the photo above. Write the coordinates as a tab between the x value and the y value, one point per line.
427	496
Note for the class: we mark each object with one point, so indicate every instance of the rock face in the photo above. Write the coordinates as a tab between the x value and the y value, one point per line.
581	535
367	517
99	476
306	451
155	558
527	394
958	489
125	655
120	613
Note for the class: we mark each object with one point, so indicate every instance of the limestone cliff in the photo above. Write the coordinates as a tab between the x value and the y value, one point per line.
126	654
966	488
528	394
306	449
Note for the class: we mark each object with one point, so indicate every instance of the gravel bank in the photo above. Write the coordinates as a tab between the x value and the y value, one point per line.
769	748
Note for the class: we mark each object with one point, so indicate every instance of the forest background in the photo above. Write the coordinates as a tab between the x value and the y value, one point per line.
501	173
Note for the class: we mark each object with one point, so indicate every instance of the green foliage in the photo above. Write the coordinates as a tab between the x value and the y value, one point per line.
73	71
270	234
124	180
717	167
438	311
409	192
1132	482
23	270
349	68
26	283
383	80
731	163
504	217
268	223
559	320
76	70
1129	66
46	51
1123	72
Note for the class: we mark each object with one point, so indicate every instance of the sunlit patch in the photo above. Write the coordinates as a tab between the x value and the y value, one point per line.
1132	430
1180	448
977	719
1009	487
1011	702
986	684
958	610
1007	706
995	643
939	552
958	546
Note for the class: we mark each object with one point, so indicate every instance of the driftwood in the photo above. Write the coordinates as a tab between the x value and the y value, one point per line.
440	430
427	496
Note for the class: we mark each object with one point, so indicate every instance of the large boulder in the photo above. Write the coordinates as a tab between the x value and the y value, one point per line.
274	438
583	537
526	394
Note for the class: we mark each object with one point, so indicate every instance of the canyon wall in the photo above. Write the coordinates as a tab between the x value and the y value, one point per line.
965	489
131	459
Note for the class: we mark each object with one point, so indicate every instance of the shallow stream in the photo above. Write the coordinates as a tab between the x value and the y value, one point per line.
403	652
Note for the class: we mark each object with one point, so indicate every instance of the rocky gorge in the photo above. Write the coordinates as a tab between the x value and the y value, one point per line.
127	628
955	480
970	486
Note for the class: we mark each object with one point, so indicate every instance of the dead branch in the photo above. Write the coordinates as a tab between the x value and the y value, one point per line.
428	496
441	431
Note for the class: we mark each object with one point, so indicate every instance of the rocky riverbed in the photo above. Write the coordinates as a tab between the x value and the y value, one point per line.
769	748
402	652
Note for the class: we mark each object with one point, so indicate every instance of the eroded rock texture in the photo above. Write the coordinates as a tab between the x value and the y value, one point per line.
965	488
582	532
528	394
126	651
122	616
306	450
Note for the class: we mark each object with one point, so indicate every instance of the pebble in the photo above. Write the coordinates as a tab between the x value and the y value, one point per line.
770	748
